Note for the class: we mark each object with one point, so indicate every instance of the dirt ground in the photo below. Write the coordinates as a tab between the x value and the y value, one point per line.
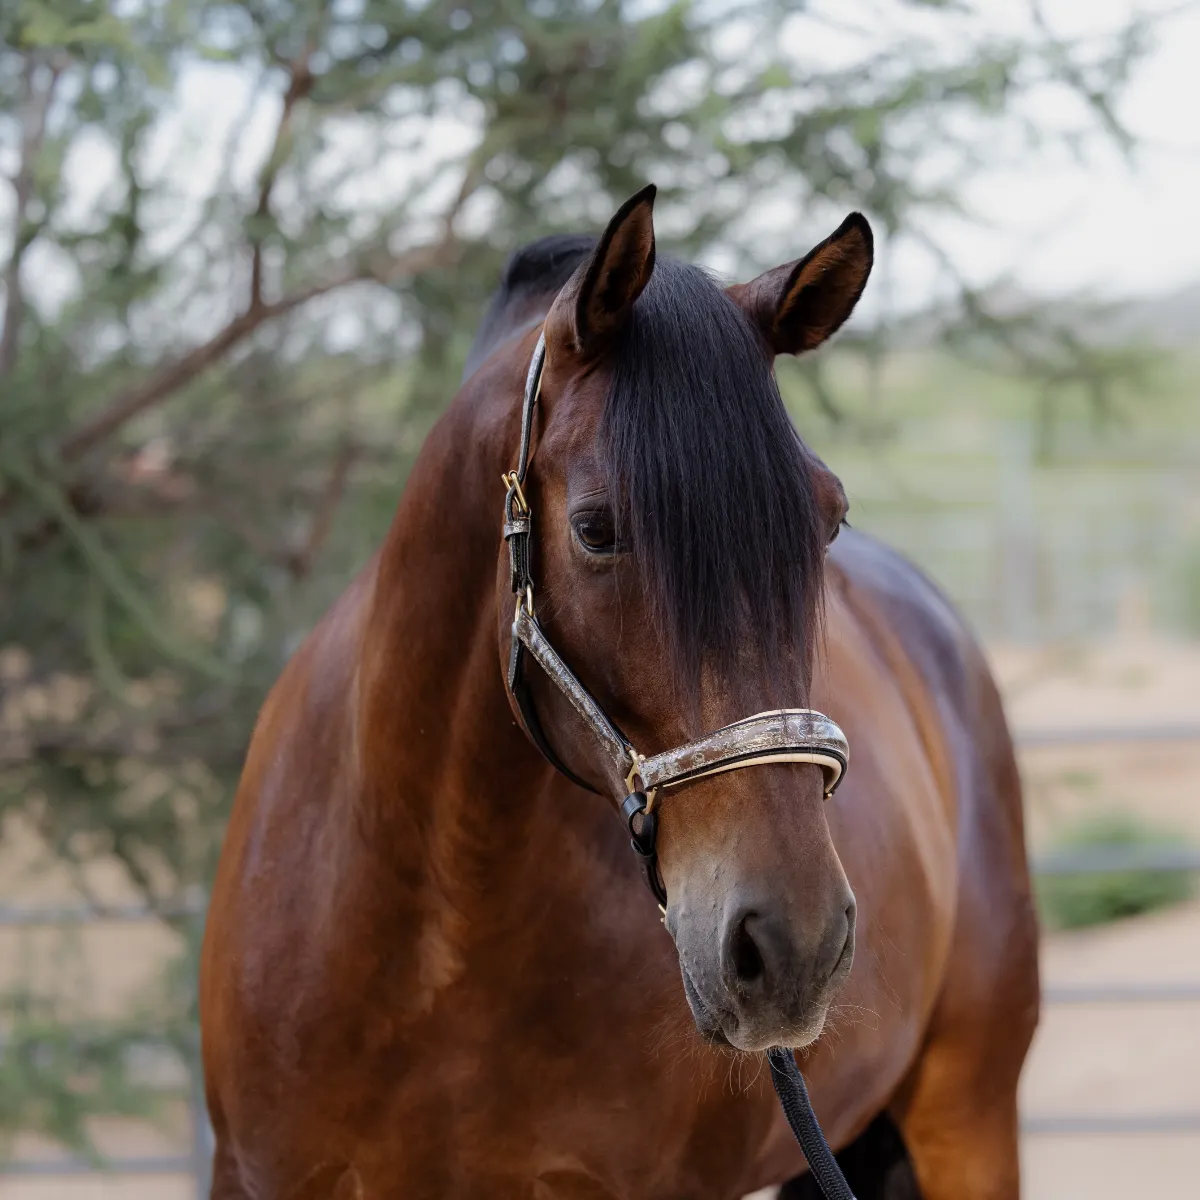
1117	1059
1128	1058
1102	1060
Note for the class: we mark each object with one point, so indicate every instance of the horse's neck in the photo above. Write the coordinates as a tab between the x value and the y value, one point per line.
439	754
430	682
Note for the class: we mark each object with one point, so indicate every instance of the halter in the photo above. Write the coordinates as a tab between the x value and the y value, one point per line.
791	735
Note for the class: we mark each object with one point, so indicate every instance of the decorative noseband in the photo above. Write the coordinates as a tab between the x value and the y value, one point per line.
781	735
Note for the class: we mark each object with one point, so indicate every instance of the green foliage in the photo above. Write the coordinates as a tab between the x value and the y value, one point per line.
55	1073
1075	901
59	1068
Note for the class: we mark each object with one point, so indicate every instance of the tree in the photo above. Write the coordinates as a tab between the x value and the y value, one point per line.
213	375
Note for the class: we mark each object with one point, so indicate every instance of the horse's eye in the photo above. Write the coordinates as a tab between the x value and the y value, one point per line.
595	532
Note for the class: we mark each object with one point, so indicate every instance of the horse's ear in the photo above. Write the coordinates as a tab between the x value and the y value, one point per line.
799	305
620	267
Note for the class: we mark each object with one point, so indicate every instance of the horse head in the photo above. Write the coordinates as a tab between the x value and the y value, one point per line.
682	526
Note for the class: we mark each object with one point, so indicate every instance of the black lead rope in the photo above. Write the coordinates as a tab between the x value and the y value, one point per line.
793	1098
785	1075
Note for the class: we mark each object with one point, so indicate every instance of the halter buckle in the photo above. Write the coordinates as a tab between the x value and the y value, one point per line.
513	485
635	771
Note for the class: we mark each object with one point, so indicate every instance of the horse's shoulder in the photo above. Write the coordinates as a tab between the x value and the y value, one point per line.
876	579
890	599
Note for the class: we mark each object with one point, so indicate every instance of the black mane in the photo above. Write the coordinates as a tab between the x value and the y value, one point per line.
532	278
714	486
712	483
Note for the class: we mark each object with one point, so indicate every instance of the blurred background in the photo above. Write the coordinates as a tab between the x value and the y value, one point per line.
243	249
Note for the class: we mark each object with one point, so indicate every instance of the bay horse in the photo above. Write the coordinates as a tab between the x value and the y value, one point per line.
430	969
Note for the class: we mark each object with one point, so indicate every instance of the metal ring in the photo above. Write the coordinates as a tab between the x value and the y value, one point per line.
527	599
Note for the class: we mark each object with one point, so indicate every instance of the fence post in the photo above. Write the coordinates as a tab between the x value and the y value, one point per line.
202	1135
1018	532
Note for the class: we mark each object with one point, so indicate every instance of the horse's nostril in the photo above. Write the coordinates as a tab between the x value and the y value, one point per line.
747	959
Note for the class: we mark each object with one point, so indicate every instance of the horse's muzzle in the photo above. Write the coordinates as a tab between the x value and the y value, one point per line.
761	977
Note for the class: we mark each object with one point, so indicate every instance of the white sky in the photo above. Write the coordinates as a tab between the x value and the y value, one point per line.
1049	221
1103	226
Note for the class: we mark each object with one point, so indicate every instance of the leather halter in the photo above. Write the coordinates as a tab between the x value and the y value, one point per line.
780	735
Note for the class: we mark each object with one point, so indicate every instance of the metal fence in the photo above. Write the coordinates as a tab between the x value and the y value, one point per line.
194	1162
1115	860
1103	861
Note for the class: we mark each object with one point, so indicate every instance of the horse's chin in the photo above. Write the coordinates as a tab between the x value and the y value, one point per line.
725	1030
709	1024
758	1041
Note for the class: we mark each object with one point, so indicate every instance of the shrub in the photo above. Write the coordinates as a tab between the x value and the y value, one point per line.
1071	901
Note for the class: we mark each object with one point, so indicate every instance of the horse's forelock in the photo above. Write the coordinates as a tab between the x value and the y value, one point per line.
713	486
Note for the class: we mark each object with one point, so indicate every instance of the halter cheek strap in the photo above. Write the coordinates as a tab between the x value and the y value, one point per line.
783	735
529	638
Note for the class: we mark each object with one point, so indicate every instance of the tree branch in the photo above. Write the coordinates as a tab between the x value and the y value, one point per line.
471	181
35	104
168	379
301	560
299	86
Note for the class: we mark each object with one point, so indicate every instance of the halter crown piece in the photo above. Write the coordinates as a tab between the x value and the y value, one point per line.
780	735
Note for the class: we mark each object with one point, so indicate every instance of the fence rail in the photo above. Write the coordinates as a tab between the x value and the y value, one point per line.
1088	1123
1123	993
1093	735
21	917
167	1164
1117	860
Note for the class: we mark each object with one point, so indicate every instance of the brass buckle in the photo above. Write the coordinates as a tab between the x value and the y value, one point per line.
513	484
635	769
